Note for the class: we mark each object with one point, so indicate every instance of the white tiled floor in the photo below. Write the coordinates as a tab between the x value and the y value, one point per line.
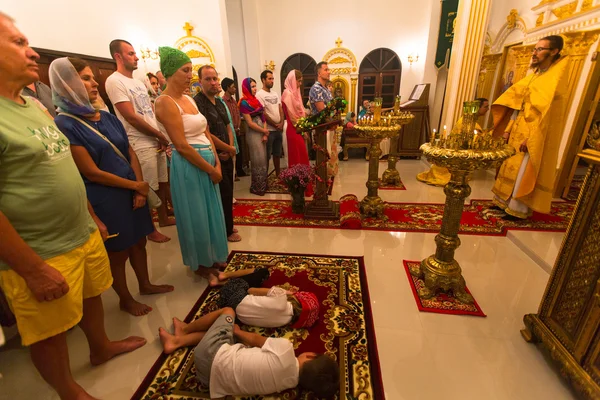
422	355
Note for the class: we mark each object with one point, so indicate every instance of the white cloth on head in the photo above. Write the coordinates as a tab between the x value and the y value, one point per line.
271	102
239	370
270	311
121	89
68	91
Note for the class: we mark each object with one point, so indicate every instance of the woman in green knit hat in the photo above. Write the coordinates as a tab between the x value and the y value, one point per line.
195	170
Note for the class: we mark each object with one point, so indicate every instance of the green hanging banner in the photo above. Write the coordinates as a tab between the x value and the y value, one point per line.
446	36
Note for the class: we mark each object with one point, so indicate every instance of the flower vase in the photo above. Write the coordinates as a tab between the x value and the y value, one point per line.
297	201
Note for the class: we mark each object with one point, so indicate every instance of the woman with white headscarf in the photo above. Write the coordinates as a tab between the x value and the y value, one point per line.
111	173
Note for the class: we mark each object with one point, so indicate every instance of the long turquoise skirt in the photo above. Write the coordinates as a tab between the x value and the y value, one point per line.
198	212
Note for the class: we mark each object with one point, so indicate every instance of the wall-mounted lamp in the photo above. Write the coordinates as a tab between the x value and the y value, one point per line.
270	65
147	53
413	58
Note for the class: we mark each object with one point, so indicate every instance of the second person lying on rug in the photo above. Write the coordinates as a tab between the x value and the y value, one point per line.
266	307
231	361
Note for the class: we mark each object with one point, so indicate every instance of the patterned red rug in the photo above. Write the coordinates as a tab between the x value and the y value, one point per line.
479	218
442	303
344	331
383	186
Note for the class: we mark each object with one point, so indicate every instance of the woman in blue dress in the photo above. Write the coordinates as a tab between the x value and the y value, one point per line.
111	173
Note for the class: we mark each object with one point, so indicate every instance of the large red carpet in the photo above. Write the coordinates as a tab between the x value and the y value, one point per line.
344	330
479	218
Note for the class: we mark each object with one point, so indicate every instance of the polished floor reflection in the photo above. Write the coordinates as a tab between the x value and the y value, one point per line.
422	355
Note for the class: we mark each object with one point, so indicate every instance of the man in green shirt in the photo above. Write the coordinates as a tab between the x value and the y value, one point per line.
53	265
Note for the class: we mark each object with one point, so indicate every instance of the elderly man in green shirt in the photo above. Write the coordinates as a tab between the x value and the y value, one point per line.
53	265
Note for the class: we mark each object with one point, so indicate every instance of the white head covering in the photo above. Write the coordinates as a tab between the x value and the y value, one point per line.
68	92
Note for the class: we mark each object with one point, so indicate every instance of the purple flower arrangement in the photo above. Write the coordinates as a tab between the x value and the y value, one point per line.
297	177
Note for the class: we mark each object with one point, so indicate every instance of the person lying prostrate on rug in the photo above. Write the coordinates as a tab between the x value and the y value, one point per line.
256	365
266	307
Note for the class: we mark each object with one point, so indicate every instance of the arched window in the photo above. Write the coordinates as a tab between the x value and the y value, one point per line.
379	75
305	64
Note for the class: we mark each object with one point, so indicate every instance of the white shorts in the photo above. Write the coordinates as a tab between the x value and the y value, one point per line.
154	166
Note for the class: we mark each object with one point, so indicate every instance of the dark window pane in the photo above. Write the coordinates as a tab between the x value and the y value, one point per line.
388	101
389	89
389	79
368	90
369	80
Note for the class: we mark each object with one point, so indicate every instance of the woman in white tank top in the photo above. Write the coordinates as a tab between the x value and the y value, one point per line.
195	170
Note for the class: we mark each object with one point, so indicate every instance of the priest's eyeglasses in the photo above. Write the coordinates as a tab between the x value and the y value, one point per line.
539	49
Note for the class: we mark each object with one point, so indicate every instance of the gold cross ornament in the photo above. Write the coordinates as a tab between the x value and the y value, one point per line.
188	29
338	42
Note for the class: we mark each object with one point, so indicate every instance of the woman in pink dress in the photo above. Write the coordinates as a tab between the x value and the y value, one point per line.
293	109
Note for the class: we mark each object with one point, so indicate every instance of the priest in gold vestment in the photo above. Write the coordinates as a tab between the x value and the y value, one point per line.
530	116
439	176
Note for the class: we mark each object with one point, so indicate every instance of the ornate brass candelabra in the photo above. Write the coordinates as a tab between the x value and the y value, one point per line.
376	129
461	153
391	176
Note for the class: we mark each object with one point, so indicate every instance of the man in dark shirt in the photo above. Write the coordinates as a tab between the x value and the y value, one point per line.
220	130
39	90
230	90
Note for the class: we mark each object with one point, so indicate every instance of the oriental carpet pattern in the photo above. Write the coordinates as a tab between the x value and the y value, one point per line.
344	330
442	303
479	218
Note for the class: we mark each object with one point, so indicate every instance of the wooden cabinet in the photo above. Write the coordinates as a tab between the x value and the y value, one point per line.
568	321
413	135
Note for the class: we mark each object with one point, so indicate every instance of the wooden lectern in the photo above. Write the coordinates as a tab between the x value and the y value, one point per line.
415	133
321	207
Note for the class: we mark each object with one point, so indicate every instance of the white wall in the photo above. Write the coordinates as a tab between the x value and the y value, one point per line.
237	38
81	27
312	27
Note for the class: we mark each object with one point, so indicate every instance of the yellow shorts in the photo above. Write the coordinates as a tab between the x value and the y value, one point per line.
86	270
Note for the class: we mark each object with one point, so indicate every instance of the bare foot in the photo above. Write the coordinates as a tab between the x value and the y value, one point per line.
135	308
158	237
170	221
178	327
169	342
219	265
213	280
223	276
235	230
156	289
115	348
234	237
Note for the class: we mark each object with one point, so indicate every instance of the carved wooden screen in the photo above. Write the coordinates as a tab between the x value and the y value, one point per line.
379	75
305	64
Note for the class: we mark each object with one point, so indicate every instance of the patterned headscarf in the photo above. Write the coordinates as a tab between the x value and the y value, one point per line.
171	60
249	104
310	310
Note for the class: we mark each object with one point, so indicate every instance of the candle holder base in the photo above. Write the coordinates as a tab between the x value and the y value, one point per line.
391	177
372	206
442	276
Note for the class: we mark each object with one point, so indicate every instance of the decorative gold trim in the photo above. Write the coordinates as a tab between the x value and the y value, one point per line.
339	60
511	19
565	11
579	25
540	20
339	71
196	54
587	4
341	52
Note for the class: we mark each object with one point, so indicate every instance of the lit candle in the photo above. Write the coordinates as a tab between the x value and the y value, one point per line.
445	132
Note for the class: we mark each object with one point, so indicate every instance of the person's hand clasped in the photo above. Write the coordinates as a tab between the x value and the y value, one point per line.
142	188
224	156
523	147
215	175
47	283
139	201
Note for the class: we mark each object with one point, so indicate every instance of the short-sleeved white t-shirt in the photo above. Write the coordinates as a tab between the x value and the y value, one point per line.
271	102
270	311
120	89
240	370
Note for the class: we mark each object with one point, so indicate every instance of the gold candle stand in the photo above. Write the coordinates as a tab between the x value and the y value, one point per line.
372	205
440	271
391	176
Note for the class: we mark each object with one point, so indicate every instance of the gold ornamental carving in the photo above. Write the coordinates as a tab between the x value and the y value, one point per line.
196	54
593	138
565	11
198	51
540	20
579	43
339	60
511	20
567	321
587	4
340	71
